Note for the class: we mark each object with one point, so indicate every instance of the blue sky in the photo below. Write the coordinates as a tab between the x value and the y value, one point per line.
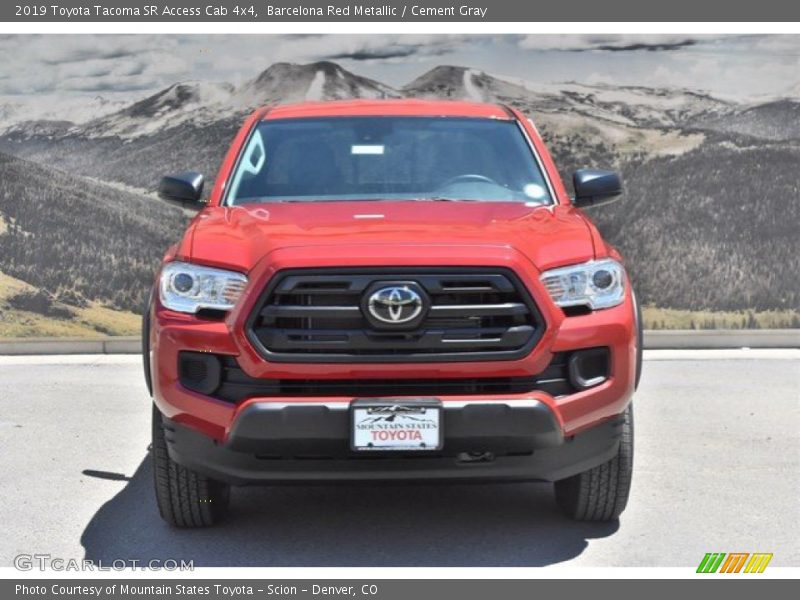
740	67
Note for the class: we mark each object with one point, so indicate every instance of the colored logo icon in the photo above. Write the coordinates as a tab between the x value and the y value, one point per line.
735	562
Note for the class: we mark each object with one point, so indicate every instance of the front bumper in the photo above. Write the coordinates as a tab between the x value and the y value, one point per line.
291	443
612	328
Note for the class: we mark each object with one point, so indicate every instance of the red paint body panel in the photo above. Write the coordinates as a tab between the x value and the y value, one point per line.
260	240
239	237
389	108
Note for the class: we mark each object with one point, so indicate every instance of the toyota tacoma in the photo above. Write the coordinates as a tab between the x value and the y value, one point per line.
385	291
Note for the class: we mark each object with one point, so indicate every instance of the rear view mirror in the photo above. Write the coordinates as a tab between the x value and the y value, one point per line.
594	187
184	189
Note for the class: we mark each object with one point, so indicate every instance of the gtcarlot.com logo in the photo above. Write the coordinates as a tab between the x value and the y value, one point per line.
43	562
734	562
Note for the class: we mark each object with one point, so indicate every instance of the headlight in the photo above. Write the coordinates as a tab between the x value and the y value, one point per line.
188	288
596	284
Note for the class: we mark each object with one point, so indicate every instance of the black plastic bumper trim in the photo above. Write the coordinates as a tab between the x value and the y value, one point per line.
296	444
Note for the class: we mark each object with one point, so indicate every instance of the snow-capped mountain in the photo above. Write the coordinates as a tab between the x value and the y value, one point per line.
288	82
189	124
460	83
189	101
16	110
631	106
202	103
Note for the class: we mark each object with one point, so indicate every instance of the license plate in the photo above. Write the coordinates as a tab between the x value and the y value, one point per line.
386	424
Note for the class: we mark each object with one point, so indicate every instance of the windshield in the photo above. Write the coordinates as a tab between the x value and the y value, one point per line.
387	158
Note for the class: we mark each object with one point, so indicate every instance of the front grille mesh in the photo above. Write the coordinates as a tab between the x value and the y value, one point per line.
308	316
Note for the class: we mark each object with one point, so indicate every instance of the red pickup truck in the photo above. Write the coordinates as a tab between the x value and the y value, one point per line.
391	290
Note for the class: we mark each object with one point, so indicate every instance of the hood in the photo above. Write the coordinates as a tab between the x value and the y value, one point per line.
239	237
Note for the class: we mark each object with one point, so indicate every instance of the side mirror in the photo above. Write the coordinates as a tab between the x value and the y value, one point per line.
595	187
184	189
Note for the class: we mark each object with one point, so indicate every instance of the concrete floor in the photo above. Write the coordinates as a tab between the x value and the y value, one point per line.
716	469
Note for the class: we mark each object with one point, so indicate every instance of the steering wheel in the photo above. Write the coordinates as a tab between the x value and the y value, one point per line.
467	178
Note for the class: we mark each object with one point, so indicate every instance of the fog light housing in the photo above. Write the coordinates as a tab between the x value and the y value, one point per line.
588	368
199	372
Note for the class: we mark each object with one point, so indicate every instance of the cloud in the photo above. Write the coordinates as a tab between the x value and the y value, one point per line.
55	50
88	63
381	54
650	47
84	54
609	43
738	65
364	48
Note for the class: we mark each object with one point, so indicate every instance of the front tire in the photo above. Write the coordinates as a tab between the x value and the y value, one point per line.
601	493
185	498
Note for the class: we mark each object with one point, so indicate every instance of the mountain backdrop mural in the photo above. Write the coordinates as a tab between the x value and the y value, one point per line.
709	219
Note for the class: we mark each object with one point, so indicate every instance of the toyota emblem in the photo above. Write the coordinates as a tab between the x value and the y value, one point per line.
395	304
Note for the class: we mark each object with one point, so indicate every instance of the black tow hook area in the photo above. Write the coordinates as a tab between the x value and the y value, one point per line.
469	458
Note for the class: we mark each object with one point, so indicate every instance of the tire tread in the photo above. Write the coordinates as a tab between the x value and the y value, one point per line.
185	498
601	493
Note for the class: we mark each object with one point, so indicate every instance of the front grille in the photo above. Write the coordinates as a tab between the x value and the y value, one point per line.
235	385
319	316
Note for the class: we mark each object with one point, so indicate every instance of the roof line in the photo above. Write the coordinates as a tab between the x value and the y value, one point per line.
508	110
